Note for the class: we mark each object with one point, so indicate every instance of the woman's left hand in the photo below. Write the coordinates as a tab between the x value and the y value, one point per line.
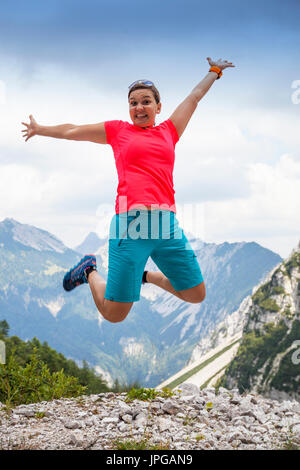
222	64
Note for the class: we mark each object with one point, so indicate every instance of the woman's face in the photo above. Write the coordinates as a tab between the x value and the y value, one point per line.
143	107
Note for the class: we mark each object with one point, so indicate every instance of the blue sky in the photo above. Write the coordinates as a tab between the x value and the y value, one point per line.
116	40
71	61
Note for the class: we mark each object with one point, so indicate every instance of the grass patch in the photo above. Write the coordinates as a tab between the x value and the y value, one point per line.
289	445
270	305
278	290
188	421
213	376
143	444
263	294
294	262
196	369
146	394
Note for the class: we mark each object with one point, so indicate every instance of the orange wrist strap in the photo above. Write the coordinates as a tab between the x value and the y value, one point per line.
216	69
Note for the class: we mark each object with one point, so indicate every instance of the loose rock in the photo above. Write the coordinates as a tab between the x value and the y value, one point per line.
180	422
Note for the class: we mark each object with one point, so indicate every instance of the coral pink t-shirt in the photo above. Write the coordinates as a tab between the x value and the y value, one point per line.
145	161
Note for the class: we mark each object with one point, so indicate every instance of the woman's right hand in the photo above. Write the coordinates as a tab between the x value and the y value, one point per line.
31	129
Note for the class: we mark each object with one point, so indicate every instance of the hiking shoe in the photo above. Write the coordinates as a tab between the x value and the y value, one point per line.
77	276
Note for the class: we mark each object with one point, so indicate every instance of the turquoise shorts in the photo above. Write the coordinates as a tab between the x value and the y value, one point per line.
138	234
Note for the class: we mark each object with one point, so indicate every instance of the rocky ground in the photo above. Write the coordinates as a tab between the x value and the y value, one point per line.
191	419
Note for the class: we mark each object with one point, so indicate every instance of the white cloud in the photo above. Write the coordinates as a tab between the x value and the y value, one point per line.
241	164
276	190
235	168
270	214
2	92
20	187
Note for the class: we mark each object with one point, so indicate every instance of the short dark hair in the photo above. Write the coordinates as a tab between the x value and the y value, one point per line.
152	88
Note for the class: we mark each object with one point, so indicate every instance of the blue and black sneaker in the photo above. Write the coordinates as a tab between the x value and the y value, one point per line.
77	275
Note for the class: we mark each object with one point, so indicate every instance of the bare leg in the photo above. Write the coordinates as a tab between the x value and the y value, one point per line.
193	295
160	280
111	310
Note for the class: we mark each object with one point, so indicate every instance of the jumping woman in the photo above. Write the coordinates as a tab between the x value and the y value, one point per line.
144	155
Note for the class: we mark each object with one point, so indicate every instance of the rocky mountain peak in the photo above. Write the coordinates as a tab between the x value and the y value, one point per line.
91	243
13	231
265	361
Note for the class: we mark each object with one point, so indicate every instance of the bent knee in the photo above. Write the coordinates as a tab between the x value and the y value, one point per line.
195	300
198	299
117	318
195	295
201	293
116	312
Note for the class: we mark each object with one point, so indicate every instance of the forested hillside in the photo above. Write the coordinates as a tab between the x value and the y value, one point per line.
266	361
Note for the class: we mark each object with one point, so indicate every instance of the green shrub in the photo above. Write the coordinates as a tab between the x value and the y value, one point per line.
143	444
262	297
55	361
270	305
121	387
278	290
146	394
34	382
4	329
286	375
287	313
294	262
256	349
259	295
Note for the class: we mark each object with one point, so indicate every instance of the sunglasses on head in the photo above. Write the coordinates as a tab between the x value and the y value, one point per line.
141	82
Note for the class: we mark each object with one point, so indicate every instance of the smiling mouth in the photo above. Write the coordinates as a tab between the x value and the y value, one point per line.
142	116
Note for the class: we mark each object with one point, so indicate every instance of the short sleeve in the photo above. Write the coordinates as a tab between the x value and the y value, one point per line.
112	129
173	131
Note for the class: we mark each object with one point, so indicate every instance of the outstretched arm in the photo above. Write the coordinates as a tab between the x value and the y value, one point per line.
185	110
90	132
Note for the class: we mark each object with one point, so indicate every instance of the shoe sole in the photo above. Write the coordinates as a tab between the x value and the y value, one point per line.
67	287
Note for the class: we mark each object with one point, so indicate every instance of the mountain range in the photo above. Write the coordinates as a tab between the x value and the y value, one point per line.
160	333
256	349
268	358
